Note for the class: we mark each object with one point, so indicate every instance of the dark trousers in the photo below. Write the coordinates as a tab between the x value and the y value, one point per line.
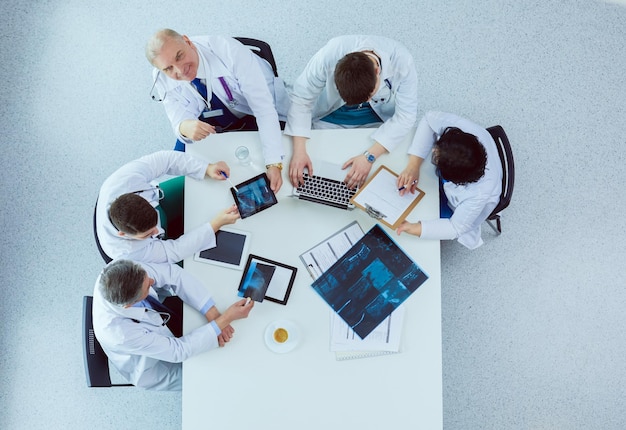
175	323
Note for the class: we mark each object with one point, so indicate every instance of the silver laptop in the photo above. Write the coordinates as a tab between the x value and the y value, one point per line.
326	186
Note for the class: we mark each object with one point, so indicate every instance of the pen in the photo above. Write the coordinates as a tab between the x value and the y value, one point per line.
404	187
309	268
229	181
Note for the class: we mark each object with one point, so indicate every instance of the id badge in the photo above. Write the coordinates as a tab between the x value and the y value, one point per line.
212	113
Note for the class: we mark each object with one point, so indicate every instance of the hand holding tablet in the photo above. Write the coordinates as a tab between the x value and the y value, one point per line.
253	196
266	279
230	251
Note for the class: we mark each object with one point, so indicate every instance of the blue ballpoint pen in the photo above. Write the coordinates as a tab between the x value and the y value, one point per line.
228	179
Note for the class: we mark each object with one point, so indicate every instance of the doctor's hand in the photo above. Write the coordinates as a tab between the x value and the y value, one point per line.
276	178
226	335
299	161
412	228
236	311
227	330
410	175
214	171
358	173
195	129
229	215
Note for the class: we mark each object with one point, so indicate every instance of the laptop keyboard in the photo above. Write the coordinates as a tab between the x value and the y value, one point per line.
324	190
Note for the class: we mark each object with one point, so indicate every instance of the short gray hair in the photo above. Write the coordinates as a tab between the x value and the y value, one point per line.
121	282
154	45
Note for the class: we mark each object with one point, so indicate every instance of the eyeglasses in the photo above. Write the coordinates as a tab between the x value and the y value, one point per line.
154	97
156	188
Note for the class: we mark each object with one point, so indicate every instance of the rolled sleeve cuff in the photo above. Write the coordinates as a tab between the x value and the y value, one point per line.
208	305
216	327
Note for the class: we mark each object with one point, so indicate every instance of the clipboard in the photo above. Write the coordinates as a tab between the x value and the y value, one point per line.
380	199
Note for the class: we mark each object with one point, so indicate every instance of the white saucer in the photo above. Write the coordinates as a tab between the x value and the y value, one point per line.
289	344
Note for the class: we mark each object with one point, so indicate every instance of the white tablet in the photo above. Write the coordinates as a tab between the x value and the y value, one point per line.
231	250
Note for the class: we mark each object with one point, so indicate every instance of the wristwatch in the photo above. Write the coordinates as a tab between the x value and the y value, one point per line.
279	165
369	157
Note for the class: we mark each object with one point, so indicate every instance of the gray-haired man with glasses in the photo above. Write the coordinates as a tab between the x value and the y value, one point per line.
130	321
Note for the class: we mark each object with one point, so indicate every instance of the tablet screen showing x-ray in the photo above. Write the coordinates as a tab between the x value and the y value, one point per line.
254	195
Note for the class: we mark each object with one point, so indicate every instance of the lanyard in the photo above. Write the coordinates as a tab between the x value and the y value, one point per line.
231	101
229	95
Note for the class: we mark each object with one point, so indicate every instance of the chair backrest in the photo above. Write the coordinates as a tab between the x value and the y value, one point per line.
508	168
105	257
96	361
260	48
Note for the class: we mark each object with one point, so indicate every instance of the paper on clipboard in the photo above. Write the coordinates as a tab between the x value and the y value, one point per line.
379	197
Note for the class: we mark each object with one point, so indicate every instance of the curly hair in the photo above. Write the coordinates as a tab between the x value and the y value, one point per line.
459	156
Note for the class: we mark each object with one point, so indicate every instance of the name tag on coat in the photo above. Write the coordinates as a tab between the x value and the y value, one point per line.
212	113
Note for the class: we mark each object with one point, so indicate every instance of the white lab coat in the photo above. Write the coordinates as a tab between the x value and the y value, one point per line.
139	175
252	84
315	94
140	346
472	203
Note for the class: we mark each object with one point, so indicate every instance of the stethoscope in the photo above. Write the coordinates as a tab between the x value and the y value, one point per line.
164	316
229	95
159	191
232	103
160	196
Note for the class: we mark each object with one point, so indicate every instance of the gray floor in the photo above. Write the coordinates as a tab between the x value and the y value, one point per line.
533	322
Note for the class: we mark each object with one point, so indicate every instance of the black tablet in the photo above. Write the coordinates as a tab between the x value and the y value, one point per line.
230	250
254	195
266	279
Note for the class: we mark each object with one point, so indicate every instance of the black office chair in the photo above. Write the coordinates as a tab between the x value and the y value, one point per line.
508	175
260	48
96	361
105	257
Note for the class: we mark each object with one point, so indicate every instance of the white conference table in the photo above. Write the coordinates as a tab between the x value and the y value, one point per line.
247	386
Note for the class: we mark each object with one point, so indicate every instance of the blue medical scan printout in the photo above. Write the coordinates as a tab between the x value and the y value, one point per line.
369	281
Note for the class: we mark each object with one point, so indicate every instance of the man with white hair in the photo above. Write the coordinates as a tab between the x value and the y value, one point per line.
210	84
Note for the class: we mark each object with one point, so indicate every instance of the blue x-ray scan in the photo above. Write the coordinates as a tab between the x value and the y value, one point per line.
253	195
369	281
